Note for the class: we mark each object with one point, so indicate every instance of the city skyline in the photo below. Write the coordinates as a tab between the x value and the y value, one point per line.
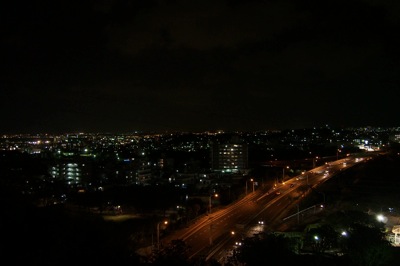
125	66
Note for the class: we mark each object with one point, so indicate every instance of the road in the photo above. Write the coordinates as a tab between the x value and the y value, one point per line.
214	235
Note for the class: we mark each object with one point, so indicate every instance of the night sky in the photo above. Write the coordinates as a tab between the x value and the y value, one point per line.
122	66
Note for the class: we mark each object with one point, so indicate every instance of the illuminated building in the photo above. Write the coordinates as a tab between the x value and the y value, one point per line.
230	156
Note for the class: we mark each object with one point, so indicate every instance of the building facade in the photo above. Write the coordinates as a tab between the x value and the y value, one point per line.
229	157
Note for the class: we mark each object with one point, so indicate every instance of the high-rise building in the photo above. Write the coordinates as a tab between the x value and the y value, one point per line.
229	156
74	172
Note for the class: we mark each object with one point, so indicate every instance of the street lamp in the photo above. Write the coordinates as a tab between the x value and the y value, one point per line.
381	218
252	181
306	176
209	202
337	154
315	161
283	173
158	233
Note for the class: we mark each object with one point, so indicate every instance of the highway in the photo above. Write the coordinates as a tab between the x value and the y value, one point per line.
214	235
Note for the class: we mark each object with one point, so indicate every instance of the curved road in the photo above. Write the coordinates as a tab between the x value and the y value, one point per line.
213	235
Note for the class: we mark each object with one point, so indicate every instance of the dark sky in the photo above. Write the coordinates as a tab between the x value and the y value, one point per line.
122	66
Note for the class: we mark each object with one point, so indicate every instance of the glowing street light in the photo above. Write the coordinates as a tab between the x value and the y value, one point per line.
306	176
209	202
283	173
315	161
381	218
158	233
251	180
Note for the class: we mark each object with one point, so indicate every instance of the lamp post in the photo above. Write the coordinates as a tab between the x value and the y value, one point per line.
251	180
315	161
337	154
209	202
306	176
158	233
210	218
283	173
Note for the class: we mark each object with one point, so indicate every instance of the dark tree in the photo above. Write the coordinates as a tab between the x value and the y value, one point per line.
176	253
321	238
265	249
367	246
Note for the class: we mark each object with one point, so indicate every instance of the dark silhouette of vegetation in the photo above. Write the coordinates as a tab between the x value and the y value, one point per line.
322	244
54	236
321	238
265	249
367	246
176	253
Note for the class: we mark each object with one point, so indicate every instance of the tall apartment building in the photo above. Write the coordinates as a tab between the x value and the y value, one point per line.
69	172
74	172
230	156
